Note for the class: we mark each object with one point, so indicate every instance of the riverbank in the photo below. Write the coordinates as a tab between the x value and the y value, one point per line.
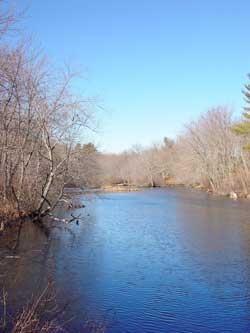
10	218
230	193
119	188
173	184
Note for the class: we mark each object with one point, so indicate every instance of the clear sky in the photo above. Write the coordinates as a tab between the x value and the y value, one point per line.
154	64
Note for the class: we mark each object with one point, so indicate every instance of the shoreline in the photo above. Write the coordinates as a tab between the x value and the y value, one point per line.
235	195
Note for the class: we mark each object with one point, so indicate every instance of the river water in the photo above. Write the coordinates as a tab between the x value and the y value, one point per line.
163	260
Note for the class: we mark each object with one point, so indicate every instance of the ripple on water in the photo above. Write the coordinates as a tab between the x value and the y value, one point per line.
153	261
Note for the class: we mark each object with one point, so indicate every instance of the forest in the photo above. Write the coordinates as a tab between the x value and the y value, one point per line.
210	153
42	148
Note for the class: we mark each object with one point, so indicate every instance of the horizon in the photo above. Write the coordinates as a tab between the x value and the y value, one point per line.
154	67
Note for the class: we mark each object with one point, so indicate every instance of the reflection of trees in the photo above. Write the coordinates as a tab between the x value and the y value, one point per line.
215	244
24	272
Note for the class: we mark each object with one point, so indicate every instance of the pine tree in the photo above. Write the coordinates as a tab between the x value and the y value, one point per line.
246	93
243	128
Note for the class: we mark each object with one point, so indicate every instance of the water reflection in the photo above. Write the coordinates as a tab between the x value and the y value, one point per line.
152	261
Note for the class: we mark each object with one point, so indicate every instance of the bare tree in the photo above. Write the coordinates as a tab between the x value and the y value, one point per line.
42	119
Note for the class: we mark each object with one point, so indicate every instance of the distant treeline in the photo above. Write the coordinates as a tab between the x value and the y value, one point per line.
209	153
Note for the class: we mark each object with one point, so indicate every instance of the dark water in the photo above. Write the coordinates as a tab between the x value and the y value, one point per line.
151	261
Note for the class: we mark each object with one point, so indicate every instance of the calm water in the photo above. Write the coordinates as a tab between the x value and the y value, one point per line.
152	261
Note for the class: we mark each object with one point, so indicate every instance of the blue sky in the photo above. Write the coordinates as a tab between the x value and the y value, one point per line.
155	65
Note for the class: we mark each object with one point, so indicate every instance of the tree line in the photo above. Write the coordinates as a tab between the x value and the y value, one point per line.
212	153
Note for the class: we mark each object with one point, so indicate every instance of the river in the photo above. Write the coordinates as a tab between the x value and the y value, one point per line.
162	260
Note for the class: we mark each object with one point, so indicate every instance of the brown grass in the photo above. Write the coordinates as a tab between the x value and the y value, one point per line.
8	217
42	314
39	315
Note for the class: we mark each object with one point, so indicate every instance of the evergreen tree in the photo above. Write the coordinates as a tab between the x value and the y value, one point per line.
243	128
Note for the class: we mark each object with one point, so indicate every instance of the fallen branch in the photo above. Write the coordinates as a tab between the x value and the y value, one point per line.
66	221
